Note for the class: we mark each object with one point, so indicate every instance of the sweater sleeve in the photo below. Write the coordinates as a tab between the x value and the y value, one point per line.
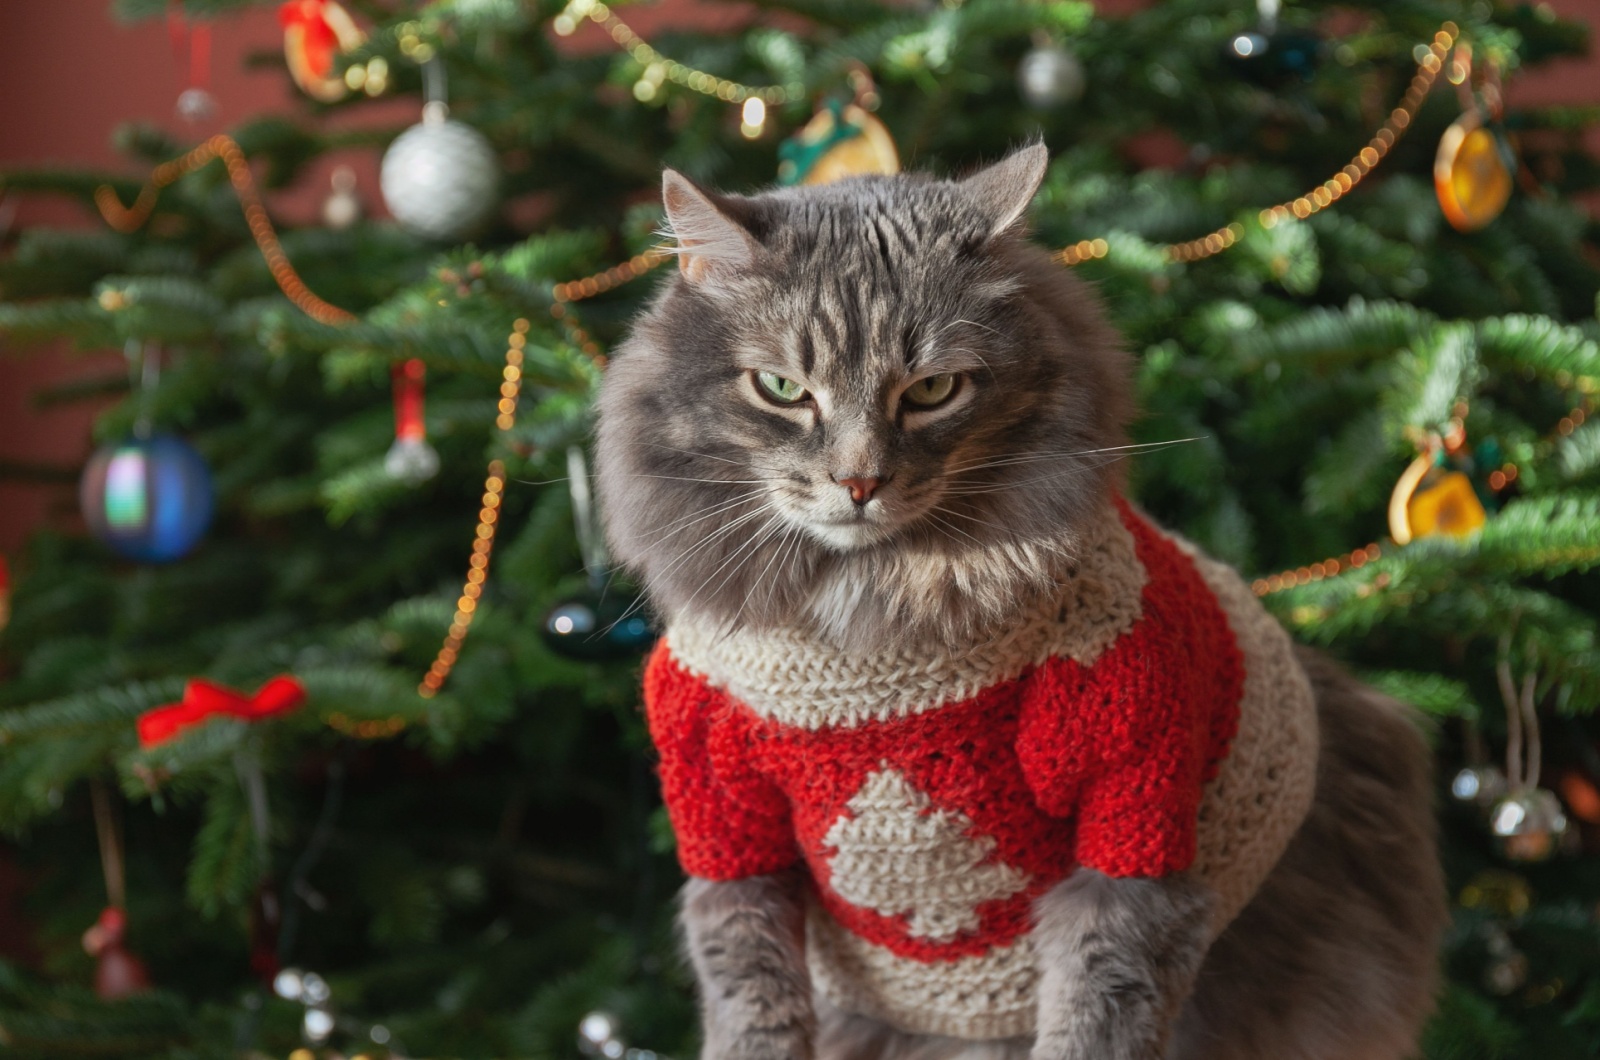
731	822
1126	745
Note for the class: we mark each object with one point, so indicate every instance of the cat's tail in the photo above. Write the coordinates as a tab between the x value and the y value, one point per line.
1335	956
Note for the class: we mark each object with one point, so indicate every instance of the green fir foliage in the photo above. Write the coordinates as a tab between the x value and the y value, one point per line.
478	869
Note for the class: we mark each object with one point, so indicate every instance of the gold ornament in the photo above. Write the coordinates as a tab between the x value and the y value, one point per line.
839	141
1428	501
1472	173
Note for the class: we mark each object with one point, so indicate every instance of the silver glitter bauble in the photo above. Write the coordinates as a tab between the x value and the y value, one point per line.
196	105
342	207
440	178
1049	76
1528	824
411	460
1481	786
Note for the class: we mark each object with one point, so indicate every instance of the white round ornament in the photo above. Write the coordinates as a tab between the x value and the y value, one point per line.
440	178
1049	75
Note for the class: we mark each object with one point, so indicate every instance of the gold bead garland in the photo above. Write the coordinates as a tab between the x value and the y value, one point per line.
494	487
659	68
1323	195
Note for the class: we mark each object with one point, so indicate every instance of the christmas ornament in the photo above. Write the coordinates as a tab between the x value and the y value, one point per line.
598	1036
1270	56
841	140
595	626
195	103
1432	497
314	31
1507	969
1505	894
342	207
266	919
1472	172
410	459
149	499
203	700
1528	824
1050	75
1482	786
311	990
1581	795
440	178
117	973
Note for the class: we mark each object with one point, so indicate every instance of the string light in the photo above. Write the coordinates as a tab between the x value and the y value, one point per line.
659	68
1323	195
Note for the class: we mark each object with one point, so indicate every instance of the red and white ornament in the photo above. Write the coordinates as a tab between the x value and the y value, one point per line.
410	459
314	31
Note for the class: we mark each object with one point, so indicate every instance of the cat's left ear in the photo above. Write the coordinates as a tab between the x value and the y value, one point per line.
710	241
1001	192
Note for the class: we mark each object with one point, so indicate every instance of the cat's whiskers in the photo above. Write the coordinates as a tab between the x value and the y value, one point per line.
746	551
960	491
1134	448
684	557
701	515
712	456
718	481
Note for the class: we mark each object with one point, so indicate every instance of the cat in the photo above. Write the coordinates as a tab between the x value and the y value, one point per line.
967	758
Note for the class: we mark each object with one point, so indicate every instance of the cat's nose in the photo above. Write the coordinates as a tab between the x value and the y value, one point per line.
861	487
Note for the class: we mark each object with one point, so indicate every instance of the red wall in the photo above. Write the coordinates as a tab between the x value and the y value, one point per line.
70	75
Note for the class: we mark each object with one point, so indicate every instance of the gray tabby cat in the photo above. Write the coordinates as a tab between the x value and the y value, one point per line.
867	411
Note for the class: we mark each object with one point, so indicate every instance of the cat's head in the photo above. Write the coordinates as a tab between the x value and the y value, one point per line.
868	408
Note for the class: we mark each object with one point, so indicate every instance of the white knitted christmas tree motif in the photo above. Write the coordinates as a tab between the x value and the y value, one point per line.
899	855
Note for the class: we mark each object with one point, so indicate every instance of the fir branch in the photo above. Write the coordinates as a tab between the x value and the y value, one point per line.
85	711
1336	338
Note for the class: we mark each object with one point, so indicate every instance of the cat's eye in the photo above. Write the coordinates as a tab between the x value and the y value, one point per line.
783	391
932	391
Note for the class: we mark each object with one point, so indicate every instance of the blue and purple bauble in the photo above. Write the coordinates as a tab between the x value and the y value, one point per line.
149	499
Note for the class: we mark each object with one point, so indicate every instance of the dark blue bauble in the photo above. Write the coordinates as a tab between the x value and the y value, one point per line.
598	627
149	499
1274	59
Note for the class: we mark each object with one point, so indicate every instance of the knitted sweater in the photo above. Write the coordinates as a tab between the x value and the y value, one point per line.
1149	718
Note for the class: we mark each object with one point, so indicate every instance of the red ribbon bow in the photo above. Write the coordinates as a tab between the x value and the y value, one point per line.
202	699
320	41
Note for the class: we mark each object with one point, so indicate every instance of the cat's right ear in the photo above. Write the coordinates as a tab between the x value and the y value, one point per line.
710	242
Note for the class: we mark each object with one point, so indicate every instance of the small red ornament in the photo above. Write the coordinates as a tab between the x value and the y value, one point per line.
410	459
314	31
117	973
202	700
195	103
266	918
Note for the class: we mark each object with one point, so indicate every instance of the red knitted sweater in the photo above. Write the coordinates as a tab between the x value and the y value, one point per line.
948	822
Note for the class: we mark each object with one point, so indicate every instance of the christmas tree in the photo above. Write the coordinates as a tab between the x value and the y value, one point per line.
410	805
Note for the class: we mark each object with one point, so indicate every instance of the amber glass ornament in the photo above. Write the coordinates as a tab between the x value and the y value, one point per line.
1472	173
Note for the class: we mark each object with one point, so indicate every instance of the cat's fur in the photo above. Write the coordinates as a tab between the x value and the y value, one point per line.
730	509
